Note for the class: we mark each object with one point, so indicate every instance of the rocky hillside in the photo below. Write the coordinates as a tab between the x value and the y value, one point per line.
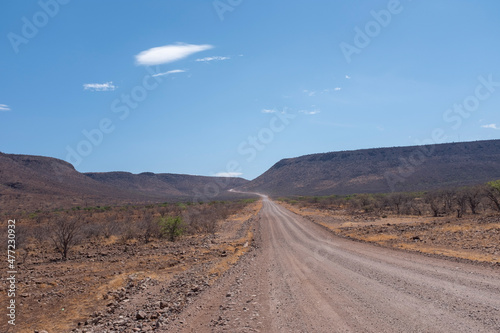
37	182
382	170
168	184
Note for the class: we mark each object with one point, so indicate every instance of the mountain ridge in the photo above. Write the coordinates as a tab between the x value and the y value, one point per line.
29	182
386	169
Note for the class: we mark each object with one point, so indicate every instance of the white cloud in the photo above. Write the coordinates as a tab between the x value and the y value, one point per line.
107	86
312	93
284	111
309	93
4	107
309	112
268	111
228	174
169	53
170	72
492	126
216	58
347	77
326	91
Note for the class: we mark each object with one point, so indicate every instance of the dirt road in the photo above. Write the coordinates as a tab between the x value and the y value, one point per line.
301	278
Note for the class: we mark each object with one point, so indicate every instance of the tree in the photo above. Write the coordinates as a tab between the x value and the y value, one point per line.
474	195
414	206
163	210
398	200
461	199
493	193
448	200
434	199
365	202
171	227
65	234
382	202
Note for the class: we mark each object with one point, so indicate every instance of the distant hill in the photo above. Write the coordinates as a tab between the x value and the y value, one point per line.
382	170
168	185
37	182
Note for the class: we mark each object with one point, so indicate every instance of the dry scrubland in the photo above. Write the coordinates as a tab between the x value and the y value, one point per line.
458	223
137	267
29	183
125	267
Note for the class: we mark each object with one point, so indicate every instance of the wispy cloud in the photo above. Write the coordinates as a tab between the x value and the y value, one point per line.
269	111
107	86
228	174
169	53
347	77
310	112
309	93
492	126
170	72
216	58
312	93
4	107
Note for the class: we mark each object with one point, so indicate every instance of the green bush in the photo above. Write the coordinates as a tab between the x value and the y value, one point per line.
495	184
493	193
171	227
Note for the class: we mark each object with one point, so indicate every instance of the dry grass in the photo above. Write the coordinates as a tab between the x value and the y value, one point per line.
472	238
378	238
236	249
462	254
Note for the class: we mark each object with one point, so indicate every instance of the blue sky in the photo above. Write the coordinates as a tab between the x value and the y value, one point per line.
231	86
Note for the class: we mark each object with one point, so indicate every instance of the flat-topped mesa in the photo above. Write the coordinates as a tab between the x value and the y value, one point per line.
415	168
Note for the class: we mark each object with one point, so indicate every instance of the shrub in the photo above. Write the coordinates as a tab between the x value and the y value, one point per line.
65	234
110	229
128	231
171	227
493	193
148	228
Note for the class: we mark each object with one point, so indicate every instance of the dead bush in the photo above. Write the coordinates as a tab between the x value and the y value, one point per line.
66	232
128	232
148	228
110	229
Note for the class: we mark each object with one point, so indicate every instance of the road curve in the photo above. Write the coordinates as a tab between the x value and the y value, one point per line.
301	278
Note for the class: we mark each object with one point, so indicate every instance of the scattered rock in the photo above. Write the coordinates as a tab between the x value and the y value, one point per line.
141	315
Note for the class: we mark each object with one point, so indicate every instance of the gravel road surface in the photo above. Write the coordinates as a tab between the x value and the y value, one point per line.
301	278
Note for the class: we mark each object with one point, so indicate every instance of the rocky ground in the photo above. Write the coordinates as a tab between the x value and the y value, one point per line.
111	286
292	275
475	238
